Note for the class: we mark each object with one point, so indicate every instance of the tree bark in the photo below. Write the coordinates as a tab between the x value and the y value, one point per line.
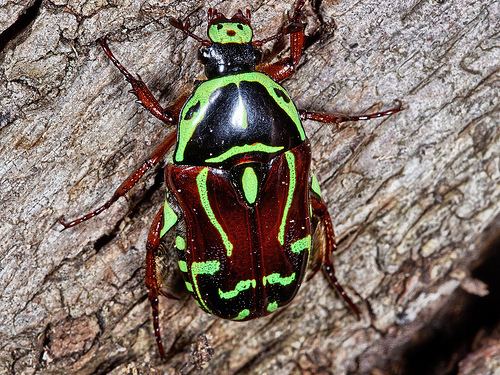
414	197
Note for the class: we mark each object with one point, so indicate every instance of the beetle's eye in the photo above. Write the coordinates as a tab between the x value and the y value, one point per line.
219	26
240	26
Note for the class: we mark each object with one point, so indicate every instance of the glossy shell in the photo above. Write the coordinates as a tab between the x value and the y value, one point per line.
238	110
241	180
245	260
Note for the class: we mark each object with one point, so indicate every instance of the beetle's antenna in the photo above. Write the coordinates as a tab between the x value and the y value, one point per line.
289	29
184	26
260	43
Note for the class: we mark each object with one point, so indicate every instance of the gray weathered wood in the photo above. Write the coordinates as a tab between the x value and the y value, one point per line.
410	195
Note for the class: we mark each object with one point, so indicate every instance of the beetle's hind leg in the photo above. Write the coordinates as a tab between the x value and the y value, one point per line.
164	220
324	246
152	283
338	118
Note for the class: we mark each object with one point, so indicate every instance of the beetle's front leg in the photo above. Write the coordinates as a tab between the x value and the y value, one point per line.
284	68
131	180
139	88
324	245
338	118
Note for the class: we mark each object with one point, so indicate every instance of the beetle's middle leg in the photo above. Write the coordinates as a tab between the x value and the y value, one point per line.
146	98
338	118
152	283
129	183
166	218
324	245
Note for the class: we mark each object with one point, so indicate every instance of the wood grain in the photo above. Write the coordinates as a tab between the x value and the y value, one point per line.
411	196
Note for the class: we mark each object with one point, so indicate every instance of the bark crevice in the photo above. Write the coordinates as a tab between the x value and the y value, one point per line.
19	27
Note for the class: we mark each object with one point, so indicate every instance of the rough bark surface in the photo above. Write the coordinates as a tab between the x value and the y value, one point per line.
411	196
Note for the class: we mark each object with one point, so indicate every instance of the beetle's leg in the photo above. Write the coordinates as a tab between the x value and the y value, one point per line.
326	247
184	26
144	95
284	68
279	41
131	180
337	118
278	46
152	283
166	218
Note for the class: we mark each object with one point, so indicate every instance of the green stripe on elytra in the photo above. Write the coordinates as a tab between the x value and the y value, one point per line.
250	185
276	278
242	314
240	287
189	286
301	245
180	243
201	97
183	265
236	150
315	186
201	181
169	219
272	306
210	267
290	159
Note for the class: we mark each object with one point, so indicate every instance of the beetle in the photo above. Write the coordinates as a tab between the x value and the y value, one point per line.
249	213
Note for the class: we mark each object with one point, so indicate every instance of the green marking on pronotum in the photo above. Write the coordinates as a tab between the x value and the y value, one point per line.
250	185
272	306
169	219
290	159
201	99
180	243
315	186
183	265
209	267
242	314
240	287
240	116
245	149
201	181
276	278
301	245
189	286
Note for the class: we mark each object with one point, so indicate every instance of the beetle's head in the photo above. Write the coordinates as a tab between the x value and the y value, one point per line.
236	29
230	47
